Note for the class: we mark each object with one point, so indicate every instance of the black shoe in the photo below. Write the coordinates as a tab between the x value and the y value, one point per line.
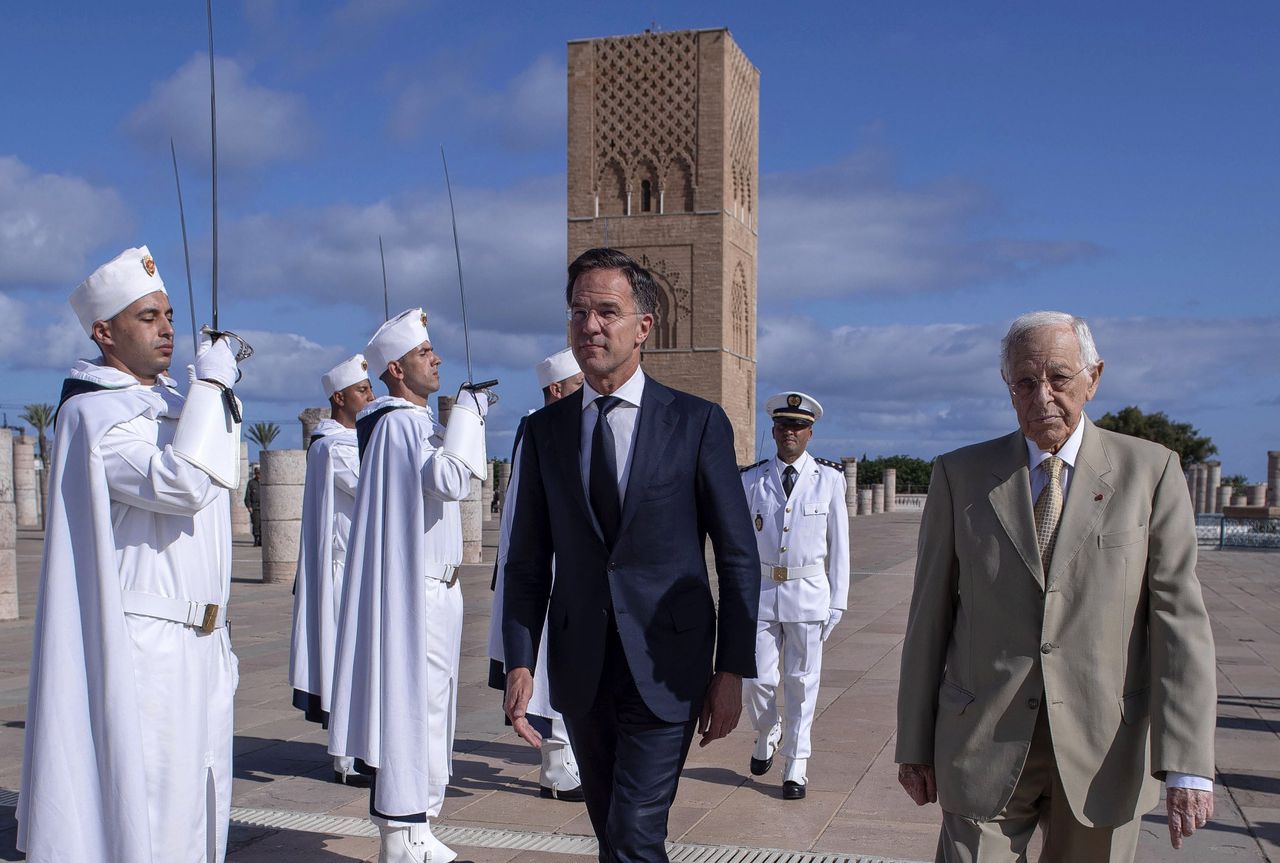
351	780
792	791
573	795
760	768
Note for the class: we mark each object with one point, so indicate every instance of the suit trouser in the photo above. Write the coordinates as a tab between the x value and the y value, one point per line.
800	647
1038	799
630	762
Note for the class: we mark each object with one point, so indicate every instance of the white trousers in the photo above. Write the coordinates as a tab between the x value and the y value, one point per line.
792	652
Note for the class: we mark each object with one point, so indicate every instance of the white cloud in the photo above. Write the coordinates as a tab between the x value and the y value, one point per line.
854	227
49	223
528	113
256	124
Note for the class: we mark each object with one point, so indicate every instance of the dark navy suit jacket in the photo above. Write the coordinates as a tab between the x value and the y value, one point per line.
684	487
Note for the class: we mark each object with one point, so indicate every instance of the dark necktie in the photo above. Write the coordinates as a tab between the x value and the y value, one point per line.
603	482
789	480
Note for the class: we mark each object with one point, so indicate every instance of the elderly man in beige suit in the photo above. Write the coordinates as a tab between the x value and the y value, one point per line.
1058	658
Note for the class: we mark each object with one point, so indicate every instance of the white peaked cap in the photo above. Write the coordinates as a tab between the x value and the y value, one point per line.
396	338
350	371
556	368
794	406
128	276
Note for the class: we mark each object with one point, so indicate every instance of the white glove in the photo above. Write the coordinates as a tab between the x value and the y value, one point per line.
215	362
477	401
833	617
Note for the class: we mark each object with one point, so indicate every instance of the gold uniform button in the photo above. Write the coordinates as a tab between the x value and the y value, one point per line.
785	529
782	550
788	509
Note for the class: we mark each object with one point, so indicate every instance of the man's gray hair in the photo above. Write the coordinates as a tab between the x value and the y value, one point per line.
1023	325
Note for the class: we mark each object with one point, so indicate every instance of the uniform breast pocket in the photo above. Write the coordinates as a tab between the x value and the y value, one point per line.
815	509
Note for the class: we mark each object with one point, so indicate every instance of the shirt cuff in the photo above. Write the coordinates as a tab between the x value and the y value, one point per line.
1174	779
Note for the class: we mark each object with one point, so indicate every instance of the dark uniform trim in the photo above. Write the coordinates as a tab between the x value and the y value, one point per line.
72	387
750	466
834	465
366	424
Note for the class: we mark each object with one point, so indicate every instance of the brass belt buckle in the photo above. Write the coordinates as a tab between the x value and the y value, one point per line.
210	621
453	579
779	573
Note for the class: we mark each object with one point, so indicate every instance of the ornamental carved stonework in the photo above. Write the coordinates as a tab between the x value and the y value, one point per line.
645	111
744	133
740	310
672	327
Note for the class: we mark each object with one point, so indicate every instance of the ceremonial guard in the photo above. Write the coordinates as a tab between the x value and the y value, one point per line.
558	376
802	533
400	627
127	754
329	496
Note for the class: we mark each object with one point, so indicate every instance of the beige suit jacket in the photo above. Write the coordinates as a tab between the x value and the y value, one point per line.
1114	638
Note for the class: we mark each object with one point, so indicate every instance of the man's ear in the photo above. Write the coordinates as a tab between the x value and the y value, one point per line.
555	389
339	399
395	370
100	332
646	325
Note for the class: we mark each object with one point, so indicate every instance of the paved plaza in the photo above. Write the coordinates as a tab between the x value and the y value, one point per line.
286	809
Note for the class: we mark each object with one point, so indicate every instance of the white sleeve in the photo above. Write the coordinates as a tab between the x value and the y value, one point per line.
346	468
444	475
1174	779
838	546
143	475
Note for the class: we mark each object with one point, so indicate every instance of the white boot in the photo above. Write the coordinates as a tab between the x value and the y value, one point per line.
766	746
411	843
559	777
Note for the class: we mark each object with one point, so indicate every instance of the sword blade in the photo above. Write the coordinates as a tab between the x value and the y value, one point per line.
213	131
186	253
386	302
457	253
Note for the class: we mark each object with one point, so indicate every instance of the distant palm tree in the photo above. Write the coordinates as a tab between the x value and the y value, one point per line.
39	417
263	434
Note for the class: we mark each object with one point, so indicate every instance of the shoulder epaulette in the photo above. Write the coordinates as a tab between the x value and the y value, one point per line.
834	465
750	466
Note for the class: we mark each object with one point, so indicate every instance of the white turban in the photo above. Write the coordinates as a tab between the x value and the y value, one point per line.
396	338
350	371
114	286
556	368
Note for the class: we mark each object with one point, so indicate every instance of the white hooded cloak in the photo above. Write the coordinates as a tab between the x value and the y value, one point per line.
127	754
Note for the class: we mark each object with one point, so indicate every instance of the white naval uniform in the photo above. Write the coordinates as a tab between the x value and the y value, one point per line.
400	627
329	497
809	530
127	755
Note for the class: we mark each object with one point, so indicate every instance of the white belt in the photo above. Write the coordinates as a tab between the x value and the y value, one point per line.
446	572
792	573
205	617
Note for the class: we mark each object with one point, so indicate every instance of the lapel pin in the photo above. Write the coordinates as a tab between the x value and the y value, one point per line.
1098	496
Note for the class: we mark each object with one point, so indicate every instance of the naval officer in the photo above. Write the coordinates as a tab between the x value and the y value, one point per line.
802	533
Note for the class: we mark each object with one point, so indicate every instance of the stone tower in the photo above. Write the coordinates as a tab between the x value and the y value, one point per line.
663	164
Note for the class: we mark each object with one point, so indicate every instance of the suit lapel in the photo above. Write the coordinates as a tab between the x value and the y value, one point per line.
566	446
654	427
1087	500
1011	500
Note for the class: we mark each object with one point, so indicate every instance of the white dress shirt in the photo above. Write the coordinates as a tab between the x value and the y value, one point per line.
1069	452
622	422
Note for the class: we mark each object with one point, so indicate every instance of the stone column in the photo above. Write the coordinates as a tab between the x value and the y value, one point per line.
486	493
472	524
1215	480
24	482
504	480
444	407
877	497
850	484
864	501
890	489
310	418
1256	495
1224	497
1239	500
239	512
284	472
8	531
1202	478
1273	477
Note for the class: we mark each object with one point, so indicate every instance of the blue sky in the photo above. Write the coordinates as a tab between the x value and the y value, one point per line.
929	171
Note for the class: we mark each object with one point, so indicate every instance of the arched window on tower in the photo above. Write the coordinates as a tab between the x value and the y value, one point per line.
646	196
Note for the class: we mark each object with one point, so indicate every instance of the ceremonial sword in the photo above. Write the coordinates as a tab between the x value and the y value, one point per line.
386	303
186	254
457	253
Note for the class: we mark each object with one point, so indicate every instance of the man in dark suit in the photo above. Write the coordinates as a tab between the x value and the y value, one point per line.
622	483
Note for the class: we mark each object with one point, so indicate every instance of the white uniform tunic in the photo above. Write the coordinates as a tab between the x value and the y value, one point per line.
808	534
127	757
329	497
400	626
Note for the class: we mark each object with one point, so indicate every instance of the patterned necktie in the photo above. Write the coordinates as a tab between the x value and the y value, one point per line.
603	480
1048	509
789	480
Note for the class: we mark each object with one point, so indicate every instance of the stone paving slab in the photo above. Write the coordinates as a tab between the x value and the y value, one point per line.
854	804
